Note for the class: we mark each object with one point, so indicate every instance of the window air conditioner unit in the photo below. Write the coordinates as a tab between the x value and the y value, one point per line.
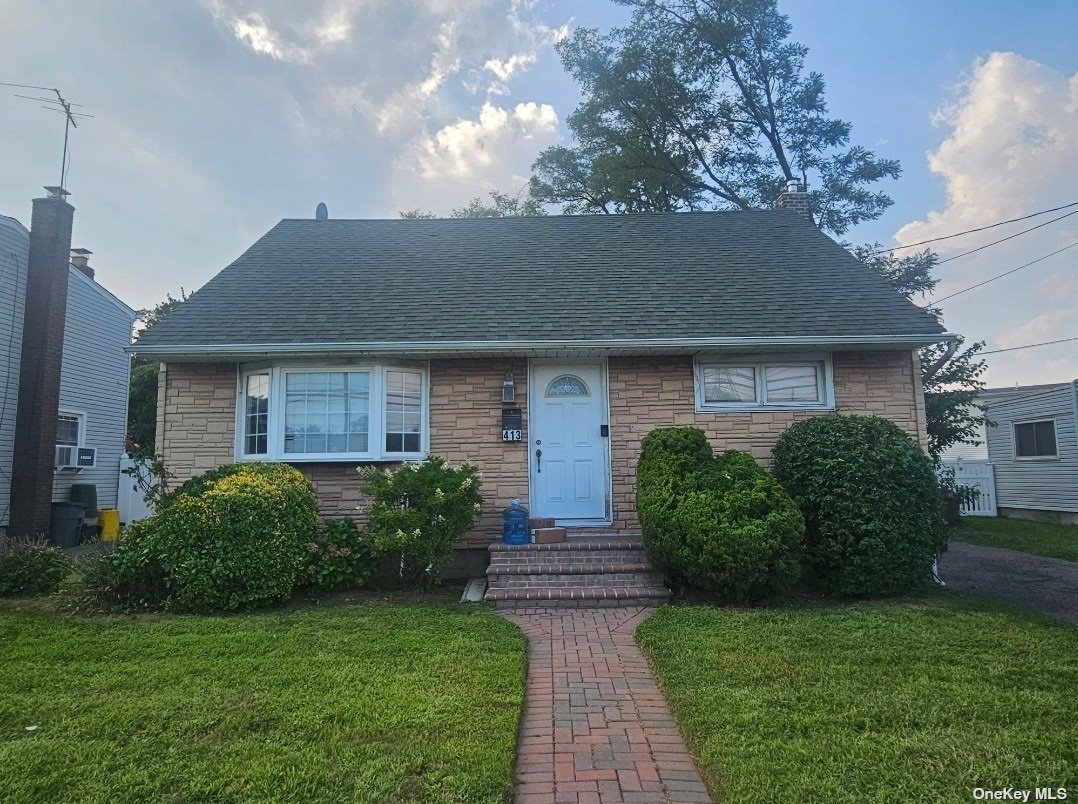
65	457
68	457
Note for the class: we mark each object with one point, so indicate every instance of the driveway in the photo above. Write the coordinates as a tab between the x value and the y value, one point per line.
1046	585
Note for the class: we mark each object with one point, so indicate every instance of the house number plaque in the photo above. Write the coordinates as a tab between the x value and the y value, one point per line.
511	425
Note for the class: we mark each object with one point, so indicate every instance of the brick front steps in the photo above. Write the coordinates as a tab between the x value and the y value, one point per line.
600	570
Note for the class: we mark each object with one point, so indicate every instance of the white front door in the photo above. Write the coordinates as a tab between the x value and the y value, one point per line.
568	451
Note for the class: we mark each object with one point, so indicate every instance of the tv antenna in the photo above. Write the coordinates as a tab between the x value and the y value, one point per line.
58	104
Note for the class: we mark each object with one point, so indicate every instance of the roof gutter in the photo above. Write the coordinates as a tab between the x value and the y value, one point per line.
450	347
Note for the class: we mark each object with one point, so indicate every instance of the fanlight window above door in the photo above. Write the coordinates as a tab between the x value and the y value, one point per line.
567	385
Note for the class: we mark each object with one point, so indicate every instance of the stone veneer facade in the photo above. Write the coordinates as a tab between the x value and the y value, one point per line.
197	415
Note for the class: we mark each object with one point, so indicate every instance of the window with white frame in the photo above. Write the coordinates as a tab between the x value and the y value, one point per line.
68	430
300	413
741	384
1035	439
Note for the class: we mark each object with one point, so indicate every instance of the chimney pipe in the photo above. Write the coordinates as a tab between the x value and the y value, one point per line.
81	260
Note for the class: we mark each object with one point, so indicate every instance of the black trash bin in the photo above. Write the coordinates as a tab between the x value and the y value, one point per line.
65	524
85	494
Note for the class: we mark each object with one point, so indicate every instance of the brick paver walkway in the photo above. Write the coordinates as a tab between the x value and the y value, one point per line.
596	728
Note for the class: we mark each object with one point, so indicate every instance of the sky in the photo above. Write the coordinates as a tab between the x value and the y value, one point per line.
214	119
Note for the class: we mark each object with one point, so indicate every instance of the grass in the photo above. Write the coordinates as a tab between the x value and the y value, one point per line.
374	703
921	700
1040	538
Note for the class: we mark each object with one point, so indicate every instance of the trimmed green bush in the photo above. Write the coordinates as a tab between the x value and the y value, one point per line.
721	524
418	512
871	502
233	538
341	556
29	568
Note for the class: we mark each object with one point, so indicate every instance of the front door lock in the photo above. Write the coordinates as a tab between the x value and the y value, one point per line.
539	461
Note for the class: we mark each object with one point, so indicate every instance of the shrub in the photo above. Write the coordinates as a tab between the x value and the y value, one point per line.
123	577
871	502
341	556
236	541
235	537
32	567
418	512
718	524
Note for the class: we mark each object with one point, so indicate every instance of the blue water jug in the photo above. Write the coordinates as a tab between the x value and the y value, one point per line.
515	524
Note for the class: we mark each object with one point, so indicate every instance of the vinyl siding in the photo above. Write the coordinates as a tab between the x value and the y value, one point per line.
94	380
1042	484
968	452
14	249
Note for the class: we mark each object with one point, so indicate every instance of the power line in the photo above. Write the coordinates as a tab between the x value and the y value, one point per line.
1008	237
1005	273
1027	346
972	231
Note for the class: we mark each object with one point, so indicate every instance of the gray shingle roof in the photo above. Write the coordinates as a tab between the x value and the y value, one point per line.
598	277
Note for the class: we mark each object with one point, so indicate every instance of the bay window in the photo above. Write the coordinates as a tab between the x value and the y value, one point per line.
329	414
753	383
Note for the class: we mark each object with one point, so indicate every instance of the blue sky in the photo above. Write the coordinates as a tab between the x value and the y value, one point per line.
214	119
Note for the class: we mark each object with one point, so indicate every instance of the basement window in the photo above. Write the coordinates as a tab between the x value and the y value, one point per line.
804	382
1035	439
361	413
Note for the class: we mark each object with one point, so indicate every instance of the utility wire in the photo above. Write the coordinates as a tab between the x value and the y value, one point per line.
972	231
1005	273
1027	346
1008	237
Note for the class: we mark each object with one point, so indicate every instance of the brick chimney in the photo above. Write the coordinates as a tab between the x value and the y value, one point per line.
39	372
80	258
793	197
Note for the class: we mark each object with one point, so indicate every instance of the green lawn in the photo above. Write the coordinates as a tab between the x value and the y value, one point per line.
366	703
1042	538
871	702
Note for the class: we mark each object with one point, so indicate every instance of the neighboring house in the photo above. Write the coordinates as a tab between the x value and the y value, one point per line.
334	343
1034	452
988	396
94	373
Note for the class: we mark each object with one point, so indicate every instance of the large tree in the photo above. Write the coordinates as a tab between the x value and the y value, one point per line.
952	375
704	104
142	393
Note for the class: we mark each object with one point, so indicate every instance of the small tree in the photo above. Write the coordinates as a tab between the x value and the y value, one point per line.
502	205
952	377
142	393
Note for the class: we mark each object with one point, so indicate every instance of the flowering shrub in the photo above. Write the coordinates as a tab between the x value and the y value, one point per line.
341	555
31	568
418	512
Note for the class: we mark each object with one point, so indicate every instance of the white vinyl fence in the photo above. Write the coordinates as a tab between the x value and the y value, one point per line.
982	476
131	500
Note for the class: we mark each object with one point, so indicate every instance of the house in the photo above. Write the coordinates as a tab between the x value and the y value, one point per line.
541	349
986	397
64	371
1033	450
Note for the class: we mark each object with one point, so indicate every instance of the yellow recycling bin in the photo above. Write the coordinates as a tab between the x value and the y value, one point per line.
109	520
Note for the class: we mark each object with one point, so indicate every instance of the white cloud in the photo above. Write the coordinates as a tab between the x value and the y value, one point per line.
467	149
1010	148
505	70
1038	329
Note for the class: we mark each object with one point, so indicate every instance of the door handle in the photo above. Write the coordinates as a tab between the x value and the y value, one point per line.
539	461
